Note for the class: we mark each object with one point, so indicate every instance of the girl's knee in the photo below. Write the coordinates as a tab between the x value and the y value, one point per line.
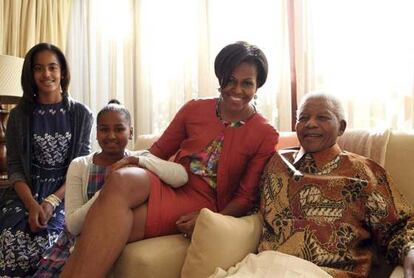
126	181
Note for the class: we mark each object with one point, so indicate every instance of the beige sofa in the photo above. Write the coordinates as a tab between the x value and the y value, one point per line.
164	257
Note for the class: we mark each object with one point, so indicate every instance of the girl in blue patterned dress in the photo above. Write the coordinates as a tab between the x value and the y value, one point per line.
46	130
86	176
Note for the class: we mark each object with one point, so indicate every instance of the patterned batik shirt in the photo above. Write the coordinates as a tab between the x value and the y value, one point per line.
328	207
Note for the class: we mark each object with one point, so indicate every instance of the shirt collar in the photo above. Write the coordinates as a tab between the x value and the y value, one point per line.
321	158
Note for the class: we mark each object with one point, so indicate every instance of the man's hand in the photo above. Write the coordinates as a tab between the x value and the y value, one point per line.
186	223
409	264
37	218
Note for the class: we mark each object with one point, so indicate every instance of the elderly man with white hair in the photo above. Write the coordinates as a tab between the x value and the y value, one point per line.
329	206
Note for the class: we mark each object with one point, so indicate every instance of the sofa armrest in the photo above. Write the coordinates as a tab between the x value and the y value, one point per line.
158	257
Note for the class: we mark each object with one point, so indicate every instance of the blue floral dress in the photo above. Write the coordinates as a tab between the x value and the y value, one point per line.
20	249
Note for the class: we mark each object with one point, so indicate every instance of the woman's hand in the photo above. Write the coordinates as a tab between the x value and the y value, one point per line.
37	218
185	224
48	210
124	162
409	264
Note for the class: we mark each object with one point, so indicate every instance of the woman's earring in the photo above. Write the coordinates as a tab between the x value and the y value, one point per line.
220	94
254	100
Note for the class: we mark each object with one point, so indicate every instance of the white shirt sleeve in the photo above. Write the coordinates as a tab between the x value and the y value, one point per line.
76	206
76	203
169	172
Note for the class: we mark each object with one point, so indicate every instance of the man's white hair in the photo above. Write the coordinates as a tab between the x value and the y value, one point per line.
334	103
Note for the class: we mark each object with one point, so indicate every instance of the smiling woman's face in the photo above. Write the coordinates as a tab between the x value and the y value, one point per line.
241	88
317	126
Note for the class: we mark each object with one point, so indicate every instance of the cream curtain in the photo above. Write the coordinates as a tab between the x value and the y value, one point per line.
154	55
101	53
28	22
179	40
363	52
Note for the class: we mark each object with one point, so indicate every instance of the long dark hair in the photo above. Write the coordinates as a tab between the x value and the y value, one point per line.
27	79
236	53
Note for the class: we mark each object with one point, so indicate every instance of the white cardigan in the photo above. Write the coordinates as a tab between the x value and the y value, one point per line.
77	177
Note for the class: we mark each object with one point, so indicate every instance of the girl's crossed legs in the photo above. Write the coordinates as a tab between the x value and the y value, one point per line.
116	217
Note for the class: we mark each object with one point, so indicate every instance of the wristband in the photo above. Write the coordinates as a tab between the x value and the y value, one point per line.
53	200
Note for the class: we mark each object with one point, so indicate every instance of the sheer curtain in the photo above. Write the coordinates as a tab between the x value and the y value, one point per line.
154	55
180	39
101	53
263	23
362	51
27	22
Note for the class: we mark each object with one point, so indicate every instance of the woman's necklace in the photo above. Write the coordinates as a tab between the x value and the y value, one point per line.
252	110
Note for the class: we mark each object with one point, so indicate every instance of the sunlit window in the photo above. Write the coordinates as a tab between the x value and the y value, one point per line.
154	55
364	52
114	19
180	40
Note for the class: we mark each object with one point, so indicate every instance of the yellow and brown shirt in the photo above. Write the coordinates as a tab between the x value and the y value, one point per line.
327	207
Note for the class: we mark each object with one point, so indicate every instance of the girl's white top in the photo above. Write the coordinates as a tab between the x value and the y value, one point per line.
77	177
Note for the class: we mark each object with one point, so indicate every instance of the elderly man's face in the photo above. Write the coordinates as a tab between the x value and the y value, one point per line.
317	127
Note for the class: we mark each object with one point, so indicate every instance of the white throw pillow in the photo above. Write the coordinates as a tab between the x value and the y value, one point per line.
220	241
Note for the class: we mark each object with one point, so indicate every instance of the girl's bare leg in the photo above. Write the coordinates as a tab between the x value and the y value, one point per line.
109	224
138	227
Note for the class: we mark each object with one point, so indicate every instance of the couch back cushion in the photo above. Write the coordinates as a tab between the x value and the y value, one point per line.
399	162
145	141
398	150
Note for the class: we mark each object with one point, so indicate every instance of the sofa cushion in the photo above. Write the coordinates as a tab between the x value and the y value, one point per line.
160	257
366	142
145	141
399	162
220	241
